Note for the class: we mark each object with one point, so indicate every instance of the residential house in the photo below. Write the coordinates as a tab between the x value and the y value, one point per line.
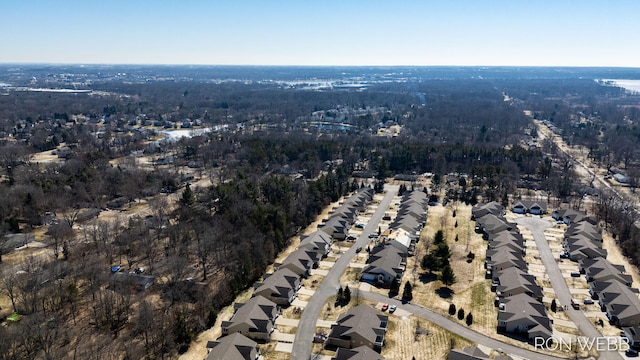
359	353
300	261
468	353
601	269
507	238
580	247
513	281
337	227
402	240
281	287
491	224
233	347
503	258
360	326
619	302
481	210
527	206
568	216
585	229
254	319
633	334
318	241
408	223
385	264
521	314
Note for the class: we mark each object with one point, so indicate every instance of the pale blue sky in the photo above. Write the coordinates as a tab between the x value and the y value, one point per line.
327	32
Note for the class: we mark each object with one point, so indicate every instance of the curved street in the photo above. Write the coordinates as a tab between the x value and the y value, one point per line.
457	328
537	226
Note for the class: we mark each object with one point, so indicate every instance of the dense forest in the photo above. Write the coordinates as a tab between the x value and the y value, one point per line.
268	173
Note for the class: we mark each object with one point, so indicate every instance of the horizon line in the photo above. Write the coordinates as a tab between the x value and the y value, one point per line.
318	65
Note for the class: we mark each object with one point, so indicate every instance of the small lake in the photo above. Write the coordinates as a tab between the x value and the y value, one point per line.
631	85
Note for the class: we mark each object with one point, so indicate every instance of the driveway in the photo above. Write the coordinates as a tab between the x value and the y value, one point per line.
537	227
330	284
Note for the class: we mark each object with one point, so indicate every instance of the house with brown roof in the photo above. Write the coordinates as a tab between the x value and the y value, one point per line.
521	314
254	319
233	347
281	287
359	353
360	326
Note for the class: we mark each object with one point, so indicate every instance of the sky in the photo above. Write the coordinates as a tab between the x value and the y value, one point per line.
326	32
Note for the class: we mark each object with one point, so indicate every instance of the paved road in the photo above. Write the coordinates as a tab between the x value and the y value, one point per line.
457	328
537	226
330	284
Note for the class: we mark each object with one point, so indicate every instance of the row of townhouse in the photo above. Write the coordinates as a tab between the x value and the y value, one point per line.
387	260
359	332
608	283
473	353
255	319
518	296
582	239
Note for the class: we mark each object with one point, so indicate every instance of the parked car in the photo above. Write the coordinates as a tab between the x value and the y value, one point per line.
575	274
631	353
575	304
373	236
588	301
384	307
115	269
351	238
392	308
358	249
360	225
564	255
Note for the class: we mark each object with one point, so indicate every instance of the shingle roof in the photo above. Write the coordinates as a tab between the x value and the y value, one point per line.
232	347
363	320
258	312
359	353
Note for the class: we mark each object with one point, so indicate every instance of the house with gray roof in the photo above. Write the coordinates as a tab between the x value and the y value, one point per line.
528	206
601	269
580	247
491	224
503	258
318	241
467	353
254	319
300	261
233	347
620	303
337	227
359	353
633	334
568	216
521	314
584	229
513	281
281	287
510	239
360	326
385	263
481	210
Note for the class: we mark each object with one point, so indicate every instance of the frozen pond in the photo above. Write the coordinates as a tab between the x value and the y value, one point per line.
631	85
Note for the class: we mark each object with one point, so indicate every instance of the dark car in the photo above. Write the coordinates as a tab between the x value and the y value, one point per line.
631	353
358	249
